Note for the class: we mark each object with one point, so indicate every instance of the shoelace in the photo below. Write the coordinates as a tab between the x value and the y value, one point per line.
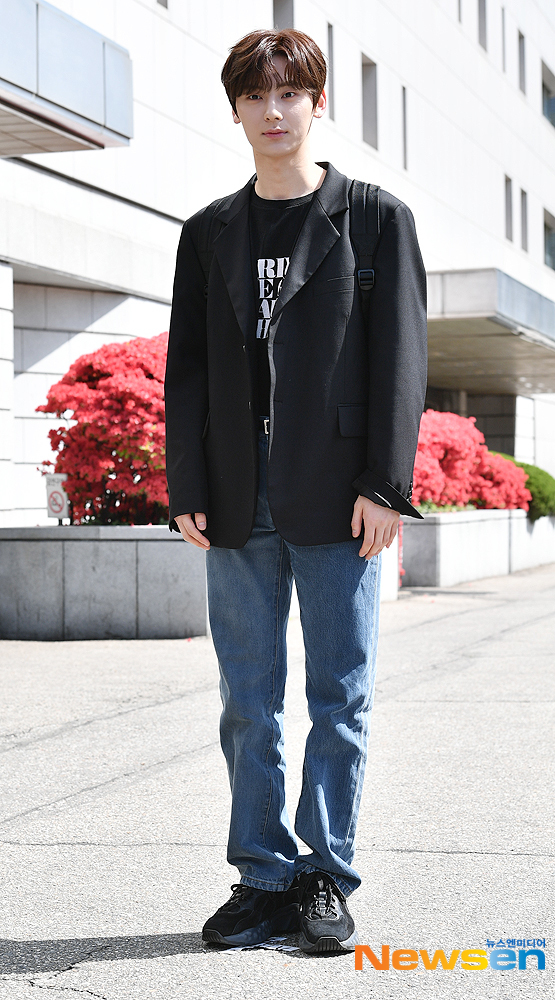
323	904
239	892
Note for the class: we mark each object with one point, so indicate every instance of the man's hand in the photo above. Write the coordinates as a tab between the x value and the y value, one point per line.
380	526
189	528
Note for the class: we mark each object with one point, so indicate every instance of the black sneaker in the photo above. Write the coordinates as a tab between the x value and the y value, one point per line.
326	924
250	916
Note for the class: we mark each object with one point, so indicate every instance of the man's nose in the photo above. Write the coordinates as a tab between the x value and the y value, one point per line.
272	113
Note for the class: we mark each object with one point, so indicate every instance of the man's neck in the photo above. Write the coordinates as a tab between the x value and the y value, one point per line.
281	179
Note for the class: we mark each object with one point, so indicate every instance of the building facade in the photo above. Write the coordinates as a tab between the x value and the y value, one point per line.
114	128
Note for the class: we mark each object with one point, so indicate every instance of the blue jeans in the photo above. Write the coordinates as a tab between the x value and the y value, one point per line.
249	592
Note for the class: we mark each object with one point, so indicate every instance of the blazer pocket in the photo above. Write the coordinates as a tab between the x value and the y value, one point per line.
353	420
206	422
346	283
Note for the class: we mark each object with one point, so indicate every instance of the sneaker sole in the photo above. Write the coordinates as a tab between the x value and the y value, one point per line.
328	944
283	922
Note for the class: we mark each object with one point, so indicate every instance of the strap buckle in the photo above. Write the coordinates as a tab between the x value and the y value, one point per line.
365	278
266	423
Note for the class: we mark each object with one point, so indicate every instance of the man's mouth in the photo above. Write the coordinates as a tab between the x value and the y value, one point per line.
275	131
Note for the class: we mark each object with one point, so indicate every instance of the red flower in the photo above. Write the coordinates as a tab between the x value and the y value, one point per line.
453	466
113	452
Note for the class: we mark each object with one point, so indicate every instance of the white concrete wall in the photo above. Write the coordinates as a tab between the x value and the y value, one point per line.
535	430
53	327
7	491
544	416
525	430
468	123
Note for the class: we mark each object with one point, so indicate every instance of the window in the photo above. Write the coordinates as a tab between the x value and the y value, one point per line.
523	219
521	63
508	208
404	112
548	93
482	30
330	87
503	43
369	102
283	14
549	231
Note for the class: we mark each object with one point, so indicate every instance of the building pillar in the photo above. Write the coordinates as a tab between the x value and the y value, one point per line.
525	430
495	417
7	490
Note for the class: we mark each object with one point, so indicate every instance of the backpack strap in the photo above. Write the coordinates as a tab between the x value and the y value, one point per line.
364	232
208	230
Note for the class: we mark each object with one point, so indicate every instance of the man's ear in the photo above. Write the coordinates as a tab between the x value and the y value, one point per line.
235	116
321	105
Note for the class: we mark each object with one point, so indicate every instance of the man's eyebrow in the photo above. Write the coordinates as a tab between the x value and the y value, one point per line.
278	83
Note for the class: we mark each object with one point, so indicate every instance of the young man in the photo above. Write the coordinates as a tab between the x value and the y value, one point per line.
293	401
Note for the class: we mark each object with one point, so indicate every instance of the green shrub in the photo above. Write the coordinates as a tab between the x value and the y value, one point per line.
541	486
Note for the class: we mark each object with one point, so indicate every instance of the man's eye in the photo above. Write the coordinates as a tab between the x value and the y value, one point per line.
289	93
253	97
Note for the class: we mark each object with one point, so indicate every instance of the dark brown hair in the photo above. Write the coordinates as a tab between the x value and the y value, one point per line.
249	66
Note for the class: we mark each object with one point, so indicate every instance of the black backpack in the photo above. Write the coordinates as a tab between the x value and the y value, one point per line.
364	232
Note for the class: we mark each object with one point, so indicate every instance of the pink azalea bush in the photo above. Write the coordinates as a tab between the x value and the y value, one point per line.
113	452
454	467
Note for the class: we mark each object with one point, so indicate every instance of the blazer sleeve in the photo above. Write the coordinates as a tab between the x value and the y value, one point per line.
397	334
186	385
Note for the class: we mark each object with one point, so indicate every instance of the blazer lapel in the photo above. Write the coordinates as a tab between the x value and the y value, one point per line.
316	238
232	249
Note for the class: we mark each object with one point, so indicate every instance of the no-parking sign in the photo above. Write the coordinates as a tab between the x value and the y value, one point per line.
56	497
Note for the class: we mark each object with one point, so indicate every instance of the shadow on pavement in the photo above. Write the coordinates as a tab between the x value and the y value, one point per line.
59	956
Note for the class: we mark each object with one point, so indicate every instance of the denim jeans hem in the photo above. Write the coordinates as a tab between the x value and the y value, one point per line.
340	883
256	883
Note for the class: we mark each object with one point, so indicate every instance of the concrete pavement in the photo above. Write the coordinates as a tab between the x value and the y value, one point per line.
115	808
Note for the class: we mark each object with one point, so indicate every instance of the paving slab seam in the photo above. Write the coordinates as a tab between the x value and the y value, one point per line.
498	632
136	774
69	727
470	701
455	654
100	843
360	850
434	850
500	602
414	626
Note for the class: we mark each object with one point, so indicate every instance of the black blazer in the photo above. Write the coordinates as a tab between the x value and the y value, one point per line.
348	396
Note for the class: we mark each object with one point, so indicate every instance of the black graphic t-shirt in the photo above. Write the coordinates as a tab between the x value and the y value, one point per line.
274	227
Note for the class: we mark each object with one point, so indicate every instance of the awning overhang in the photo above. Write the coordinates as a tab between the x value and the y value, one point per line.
488	333
63	86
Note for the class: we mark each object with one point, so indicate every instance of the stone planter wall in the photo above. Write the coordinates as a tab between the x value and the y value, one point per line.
110	583
446	549
531	544
100	583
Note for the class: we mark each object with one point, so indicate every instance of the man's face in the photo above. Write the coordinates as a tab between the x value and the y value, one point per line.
277	122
